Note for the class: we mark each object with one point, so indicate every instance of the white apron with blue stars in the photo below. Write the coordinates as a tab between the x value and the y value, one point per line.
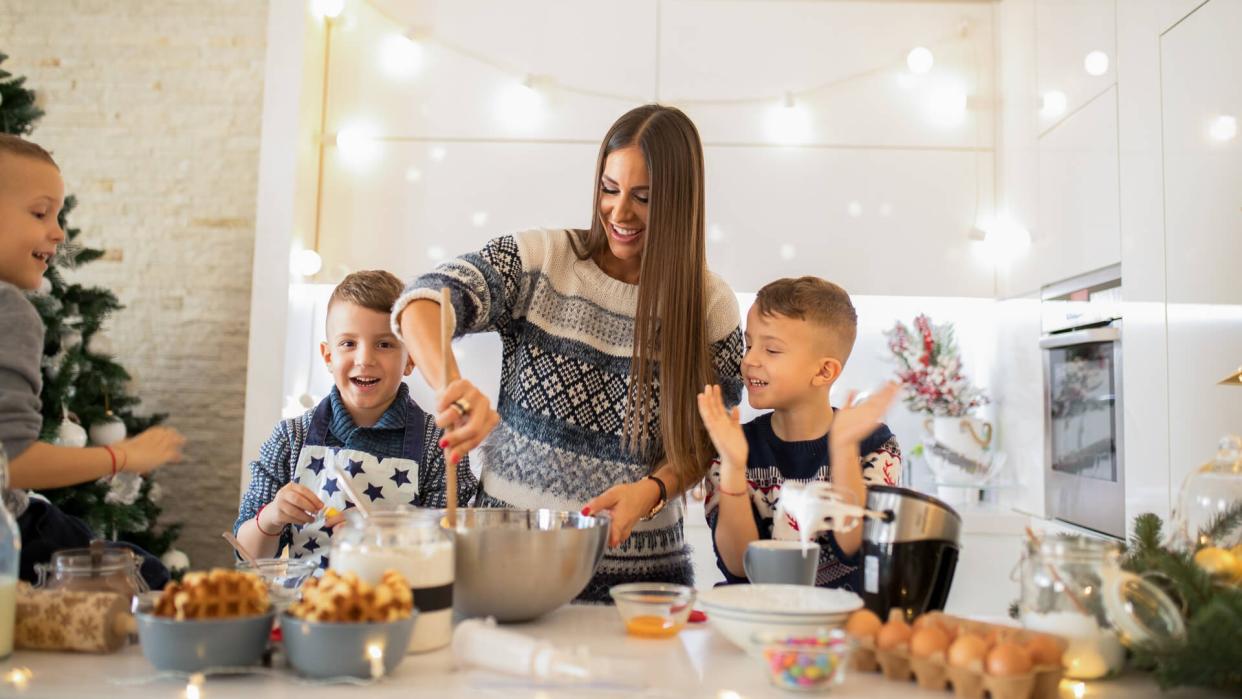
393	480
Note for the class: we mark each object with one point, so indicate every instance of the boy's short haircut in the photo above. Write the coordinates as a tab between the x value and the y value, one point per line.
816	301
375	289
16	145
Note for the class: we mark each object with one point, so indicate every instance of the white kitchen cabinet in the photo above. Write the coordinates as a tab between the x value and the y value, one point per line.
1200	60
1079	218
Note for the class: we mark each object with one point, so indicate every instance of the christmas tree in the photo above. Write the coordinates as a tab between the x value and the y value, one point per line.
79	377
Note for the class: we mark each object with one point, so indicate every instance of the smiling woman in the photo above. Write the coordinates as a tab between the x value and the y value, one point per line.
608	334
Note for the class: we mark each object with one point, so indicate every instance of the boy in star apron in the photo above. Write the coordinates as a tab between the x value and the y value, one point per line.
369	427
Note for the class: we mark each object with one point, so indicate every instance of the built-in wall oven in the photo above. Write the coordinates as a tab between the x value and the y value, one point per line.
1084	458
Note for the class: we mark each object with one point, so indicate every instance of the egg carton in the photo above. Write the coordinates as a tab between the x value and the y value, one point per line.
934	672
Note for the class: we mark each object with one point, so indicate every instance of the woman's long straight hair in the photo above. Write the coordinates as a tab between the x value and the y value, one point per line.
671	347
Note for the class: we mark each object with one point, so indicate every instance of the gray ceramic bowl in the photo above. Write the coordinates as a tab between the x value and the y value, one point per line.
517	565
193	646
328	649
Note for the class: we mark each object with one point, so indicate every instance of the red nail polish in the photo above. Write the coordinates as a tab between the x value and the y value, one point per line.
586	512
454	459
443	442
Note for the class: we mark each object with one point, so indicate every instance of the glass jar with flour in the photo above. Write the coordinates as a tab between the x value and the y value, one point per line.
1074	587
411	542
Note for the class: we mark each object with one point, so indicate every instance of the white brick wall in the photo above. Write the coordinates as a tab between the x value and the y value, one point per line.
153	112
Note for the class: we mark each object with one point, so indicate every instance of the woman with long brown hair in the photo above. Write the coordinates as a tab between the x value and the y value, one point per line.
608	335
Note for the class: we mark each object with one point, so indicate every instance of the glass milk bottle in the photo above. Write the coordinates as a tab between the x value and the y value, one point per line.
10	557
411	542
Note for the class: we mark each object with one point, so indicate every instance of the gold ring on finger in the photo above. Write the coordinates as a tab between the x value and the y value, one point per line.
462	406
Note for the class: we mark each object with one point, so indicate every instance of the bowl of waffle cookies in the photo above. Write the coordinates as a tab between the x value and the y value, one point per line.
345	627
214	620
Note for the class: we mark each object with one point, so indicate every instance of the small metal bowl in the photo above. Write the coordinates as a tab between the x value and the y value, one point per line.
194	645
345	649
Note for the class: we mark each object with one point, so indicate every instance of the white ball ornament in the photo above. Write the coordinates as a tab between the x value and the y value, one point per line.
175	560
107	430
70	434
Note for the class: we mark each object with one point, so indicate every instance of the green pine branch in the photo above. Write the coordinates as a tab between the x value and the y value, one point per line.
1222	526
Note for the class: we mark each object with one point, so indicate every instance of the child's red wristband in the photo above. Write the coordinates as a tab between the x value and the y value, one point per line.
260	526
112	455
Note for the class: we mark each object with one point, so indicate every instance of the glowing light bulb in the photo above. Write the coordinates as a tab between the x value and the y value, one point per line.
521	104
1224	128
19	677
1004	239
479	219
886	209
715	234
920	60
1054	104
357	145
946	104
788	252
854	209
400	56
438	153
376	653
1095	63
436	253
328	9
788	122
306	263
413	174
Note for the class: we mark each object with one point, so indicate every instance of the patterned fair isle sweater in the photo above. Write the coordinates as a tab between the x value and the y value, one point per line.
771	462
567	331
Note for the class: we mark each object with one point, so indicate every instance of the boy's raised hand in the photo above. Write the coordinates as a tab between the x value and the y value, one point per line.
151	449
724	427
853	423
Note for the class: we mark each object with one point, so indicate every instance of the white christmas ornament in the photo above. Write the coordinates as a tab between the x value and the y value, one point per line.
107	430
175	560
124	489
69	434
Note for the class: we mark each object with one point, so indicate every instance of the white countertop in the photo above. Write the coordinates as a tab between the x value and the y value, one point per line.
696	663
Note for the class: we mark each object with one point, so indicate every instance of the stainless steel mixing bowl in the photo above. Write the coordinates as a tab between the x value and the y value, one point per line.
517	565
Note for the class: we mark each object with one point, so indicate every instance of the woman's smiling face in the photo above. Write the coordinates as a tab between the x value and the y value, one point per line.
625	189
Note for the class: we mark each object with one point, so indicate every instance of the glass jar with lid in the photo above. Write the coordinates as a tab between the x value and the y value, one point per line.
1208	492
1074	587
412	542
100	568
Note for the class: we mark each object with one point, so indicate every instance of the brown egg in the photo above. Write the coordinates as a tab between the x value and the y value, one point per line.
968	651
929	640
895	633
928	619
1008	659
1044	650
863	624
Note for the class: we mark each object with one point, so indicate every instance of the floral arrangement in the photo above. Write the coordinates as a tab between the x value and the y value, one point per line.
930	369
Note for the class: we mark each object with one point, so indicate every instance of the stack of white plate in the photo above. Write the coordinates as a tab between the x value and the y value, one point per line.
739	612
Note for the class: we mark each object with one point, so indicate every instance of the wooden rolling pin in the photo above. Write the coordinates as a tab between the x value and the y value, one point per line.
68	620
